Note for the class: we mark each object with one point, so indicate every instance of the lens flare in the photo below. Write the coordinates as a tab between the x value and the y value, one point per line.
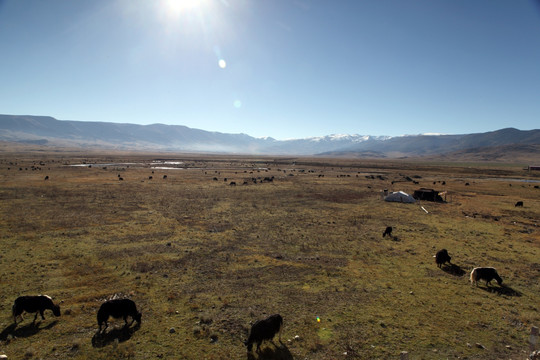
222	63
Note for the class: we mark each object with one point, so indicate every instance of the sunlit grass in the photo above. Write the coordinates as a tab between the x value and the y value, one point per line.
207	259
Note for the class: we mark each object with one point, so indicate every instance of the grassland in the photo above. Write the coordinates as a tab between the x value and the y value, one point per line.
204	259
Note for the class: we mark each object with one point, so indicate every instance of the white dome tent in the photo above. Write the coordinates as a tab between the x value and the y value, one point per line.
400	196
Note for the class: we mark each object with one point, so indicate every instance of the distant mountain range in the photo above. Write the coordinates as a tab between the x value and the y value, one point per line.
45	130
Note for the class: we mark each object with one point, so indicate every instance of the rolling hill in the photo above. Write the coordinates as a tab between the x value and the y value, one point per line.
48	131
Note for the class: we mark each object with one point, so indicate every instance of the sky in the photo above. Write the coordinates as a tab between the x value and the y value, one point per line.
279	68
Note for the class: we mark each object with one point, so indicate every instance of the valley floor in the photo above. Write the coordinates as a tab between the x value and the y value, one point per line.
207	245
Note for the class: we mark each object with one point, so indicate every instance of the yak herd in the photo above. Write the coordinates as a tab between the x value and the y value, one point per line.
261	330
479	273
117	308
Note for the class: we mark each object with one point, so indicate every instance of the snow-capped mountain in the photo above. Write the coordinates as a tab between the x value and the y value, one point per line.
45	130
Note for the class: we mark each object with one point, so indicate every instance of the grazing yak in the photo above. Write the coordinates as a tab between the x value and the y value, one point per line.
442	257
34	304
485	273
118	308
519	204
388	231
264	330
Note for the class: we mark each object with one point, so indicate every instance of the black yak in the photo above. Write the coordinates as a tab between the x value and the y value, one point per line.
485	273
442	257
519	204
34	304
264	330
388	231
118	308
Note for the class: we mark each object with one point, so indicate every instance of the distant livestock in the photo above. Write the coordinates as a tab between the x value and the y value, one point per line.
34	304
485	273
442	257
519	204
388	231
264	330
118	308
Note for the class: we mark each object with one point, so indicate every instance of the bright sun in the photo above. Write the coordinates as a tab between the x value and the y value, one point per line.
180	6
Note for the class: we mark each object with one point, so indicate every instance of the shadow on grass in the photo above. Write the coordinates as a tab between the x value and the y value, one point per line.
24	331
102	339
268	353
453	269
501	290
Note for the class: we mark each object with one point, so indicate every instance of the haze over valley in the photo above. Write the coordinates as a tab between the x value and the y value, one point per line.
48	131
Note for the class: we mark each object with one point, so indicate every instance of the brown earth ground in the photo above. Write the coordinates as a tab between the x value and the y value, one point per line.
204	259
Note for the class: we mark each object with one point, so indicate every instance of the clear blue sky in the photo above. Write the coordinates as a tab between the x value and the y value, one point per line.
289	68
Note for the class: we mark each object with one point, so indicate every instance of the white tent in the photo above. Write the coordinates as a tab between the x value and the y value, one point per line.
400	196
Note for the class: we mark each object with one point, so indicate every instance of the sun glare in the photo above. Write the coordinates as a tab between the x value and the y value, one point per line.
180	6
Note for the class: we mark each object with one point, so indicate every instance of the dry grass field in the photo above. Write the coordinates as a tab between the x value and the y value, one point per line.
204	259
